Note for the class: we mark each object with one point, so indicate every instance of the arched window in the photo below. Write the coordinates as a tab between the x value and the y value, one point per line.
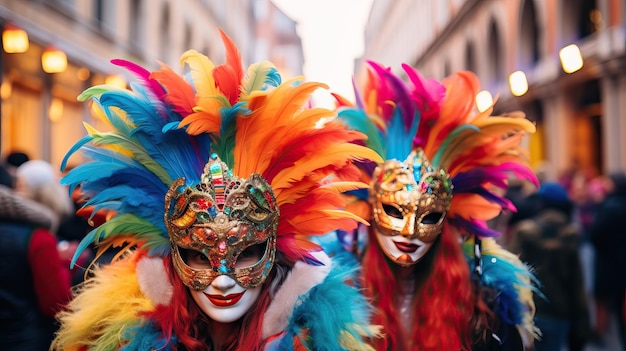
529	36
470	57
136	32
495	57
164	50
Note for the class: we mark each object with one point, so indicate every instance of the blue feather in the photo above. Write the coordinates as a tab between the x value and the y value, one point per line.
506	278
399	139
145	337
226	145
358	120
328	310
84	140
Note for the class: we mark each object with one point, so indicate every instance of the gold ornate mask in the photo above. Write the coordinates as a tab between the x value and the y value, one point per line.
219	218
410	199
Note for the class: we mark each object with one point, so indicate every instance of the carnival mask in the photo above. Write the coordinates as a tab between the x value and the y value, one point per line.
221	220
409	203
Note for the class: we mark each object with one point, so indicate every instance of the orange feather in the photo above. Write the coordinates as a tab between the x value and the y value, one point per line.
179	92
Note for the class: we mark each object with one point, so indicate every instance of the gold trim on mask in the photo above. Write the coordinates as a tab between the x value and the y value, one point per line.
220	217
410	198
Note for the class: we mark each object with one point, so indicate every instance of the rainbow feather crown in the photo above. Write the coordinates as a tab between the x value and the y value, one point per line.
166	127
477	150
410	198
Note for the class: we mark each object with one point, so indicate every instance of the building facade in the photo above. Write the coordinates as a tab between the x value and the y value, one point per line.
40	114
580	116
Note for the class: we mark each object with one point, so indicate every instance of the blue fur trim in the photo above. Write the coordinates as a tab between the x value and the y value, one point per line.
329	308
146	338
506	278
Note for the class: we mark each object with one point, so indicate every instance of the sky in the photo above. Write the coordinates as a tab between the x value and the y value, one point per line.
332	34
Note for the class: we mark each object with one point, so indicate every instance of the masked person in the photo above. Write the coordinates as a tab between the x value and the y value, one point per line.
216	181
431	265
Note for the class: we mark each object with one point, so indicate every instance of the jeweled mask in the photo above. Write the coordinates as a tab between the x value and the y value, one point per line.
410	199
219	218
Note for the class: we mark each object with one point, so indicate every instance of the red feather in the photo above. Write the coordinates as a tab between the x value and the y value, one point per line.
229	75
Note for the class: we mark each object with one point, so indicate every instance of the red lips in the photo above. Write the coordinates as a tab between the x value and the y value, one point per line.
225	301
406	247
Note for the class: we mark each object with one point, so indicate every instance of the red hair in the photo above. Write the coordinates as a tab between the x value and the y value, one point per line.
183	319
443	303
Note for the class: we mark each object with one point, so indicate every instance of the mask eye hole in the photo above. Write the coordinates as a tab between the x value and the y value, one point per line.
432	218
251	255
392	211
194	259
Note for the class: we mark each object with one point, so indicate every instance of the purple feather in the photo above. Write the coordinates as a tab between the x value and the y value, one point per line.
465	181
473	226
357	96
402	99
428	93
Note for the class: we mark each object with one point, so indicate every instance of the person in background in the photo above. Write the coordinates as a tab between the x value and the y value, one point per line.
14	160
549	242
37	180
35	278
432	268
607	234
216	180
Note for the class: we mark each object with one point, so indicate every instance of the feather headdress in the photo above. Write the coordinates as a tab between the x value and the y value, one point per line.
168	126
478	151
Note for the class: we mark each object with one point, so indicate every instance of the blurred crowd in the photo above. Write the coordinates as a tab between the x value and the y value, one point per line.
571	233
40	233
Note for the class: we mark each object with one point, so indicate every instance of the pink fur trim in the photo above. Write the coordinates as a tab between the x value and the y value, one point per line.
153	280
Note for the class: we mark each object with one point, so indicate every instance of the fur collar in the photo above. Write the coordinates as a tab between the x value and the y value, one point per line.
302	278
153	283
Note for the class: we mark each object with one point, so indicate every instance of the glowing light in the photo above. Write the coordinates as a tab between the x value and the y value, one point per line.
83	74
14	40
53	61
571	58
518	83
116	81
55	111
484	100
6	89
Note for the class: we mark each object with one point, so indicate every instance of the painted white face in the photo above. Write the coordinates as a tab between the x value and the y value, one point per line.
403	250
224	300
409	202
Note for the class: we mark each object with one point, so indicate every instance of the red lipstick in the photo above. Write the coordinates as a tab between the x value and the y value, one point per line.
225	301
406	247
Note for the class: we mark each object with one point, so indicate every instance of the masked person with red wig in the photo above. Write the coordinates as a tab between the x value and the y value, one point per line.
430	264
216	181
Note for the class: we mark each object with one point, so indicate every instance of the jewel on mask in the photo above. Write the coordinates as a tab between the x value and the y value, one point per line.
410	198
218	219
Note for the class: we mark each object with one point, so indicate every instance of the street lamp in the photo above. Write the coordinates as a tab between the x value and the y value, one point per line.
14	40
53	60
484	101
518	83
571	58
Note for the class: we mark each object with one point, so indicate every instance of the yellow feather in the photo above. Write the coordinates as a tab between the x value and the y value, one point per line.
89	322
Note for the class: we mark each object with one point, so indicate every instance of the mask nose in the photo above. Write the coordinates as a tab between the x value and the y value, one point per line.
410	226
223	283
